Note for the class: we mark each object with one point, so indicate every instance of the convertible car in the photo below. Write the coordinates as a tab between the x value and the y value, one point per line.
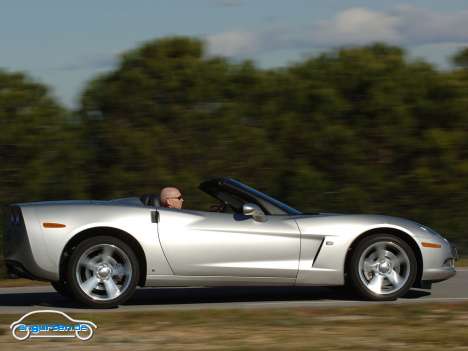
98	252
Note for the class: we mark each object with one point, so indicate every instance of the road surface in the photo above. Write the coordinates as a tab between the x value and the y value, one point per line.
24	299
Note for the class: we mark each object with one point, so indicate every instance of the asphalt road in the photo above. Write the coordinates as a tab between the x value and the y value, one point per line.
25	299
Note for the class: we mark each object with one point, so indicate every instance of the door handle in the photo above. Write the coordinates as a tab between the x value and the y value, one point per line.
154	217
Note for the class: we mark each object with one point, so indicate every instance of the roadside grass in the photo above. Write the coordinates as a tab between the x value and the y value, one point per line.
11	283
462	262
393	327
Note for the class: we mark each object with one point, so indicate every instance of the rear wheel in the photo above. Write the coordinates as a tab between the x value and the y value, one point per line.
382	267
103	272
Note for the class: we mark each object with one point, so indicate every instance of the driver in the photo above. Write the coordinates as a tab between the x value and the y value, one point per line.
171	198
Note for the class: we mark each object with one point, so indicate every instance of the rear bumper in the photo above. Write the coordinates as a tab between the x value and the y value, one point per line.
19	258
16	269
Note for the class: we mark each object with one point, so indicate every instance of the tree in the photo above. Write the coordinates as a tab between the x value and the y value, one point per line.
170	115
460	59
352	130
39	150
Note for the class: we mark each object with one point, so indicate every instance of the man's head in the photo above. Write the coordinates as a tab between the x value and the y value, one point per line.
171	197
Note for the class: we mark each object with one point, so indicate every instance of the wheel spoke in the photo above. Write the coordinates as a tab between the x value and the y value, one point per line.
384	267
395	279
369	265
380	250
373	257
111	260
98	266
376	283
107	253
89	285
88	263
111	288
120	270
398	260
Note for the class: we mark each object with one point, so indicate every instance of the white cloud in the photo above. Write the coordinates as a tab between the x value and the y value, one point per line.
241	43
232	43
421	26
357	26
404	25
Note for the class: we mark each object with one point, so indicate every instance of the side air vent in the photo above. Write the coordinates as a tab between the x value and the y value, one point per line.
318	251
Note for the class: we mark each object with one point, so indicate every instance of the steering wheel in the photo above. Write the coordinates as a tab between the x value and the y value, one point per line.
221	207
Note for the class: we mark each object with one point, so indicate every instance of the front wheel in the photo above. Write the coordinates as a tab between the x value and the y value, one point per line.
103	272
382	267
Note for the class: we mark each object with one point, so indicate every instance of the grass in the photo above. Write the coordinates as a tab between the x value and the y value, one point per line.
11	283
462	262
419	327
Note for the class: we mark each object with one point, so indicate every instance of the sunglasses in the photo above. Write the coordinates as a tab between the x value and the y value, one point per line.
178	197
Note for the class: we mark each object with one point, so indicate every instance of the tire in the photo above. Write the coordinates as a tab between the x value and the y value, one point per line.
383	267
62	288
102	272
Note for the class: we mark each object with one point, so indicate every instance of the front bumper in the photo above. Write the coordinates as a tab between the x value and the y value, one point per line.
439	264
435	275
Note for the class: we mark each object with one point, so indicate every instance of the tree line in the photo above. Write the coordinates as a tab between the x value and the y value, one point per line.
362	129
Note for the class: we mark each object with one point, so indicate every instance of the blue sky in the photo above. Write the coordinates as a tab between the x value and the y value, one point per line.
65	43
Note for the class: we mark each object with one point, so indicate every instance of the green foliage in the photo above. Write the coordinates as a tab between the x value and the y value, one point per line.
39	152
461	58
169	115
352	130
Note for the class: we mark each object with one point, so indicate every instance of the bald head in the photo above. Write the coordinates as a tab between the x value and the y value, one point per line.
171	197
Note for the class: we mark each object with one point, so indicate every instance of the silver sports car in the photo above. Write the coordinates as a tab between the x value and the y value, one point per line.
98	252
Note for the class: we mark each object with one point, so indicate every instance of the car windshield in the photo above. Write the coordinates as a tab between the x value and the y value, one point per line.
286	208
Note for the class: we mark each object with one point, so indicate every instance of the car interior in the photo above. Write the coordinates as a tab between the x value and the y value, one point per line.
227	202
231	196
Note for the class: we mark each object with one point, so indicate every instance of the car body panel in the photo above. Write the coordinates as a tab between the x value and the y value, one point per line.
47	244
340	231
225	244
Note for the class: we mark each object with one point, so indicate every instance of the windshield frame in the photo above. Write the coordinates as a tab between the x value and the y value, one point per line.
270	205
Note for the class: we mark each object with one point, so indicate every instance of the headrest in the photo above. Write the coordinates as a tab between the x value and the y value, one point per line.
150	200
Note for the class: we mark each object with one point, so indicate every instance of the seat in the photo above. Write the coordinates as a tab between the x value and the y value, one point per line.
150	200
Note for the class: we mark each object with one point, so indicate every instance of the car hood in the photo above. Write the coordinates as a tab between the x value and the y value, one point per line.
332	223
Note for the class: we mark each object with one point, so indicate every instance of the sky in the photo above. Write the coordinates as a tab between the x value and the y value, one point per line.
65	43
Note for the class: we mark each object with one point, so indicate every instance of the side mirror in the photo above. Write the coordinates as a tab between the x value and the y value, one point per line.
254	211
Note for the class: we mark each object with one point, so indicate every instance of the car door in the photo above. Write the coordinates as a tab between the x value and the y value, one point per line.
198	243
